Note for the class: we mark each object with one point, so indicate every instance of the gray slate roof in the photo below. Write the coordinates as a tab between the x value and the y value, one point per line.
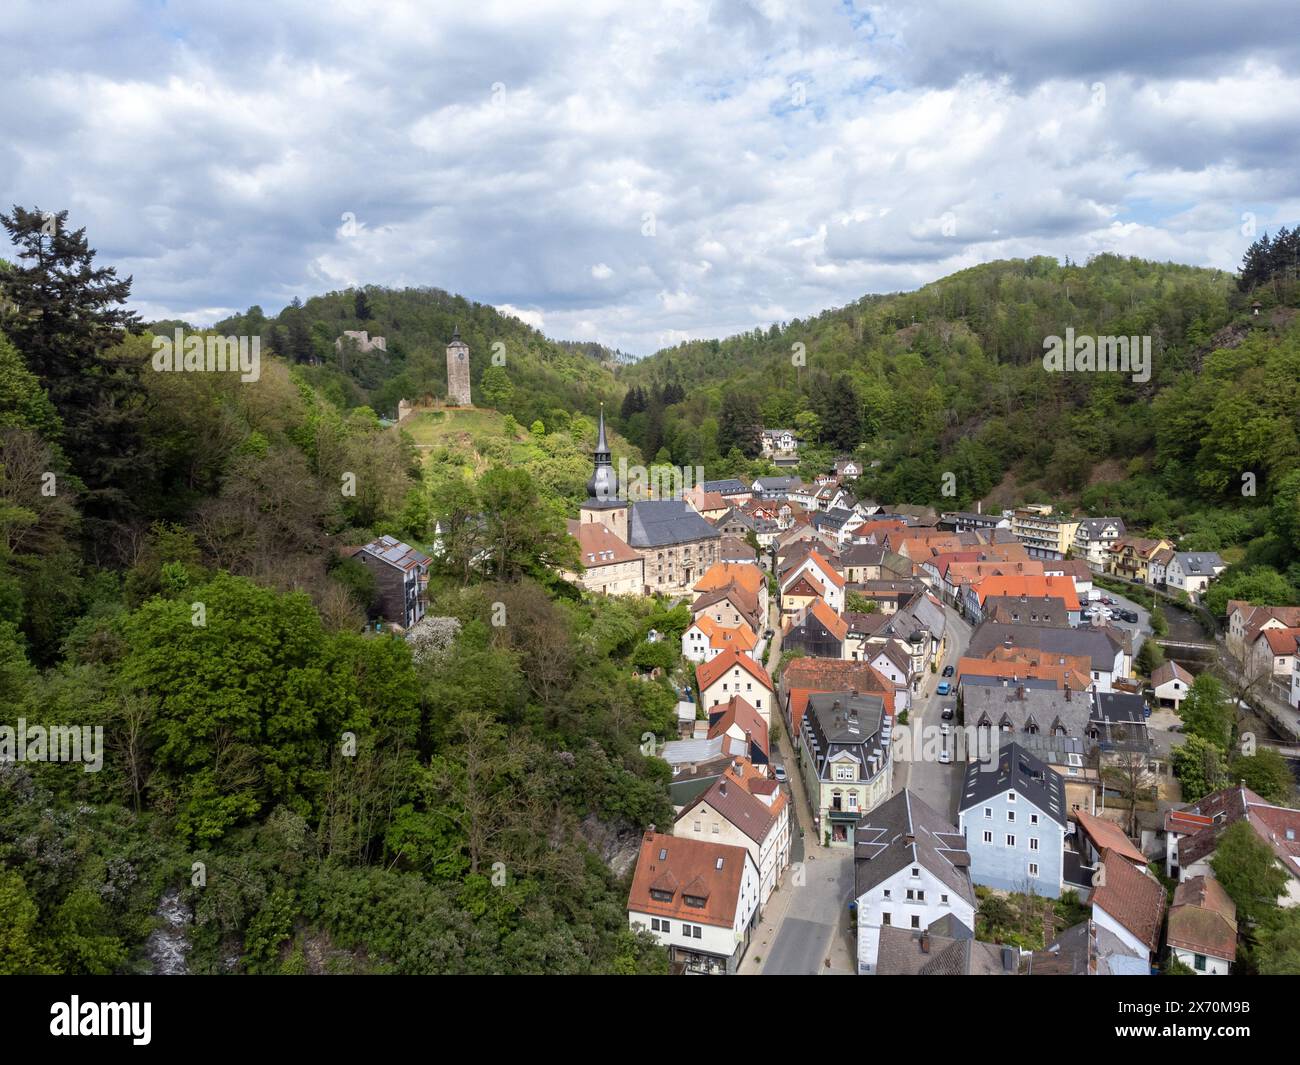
1019	705
1091	528
1020	771
904	831
844	722
664	522
907	952
726	486
1097	644
1198	563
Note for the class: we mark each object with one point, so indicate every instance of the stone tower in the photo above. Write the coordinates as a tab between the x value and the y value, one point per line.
603	503
458	371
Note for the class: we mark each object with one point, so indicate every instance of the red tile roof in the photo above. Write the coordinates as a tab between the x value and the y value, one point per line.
1108	836
707	673
1132	897
681	867
736	711
1203	919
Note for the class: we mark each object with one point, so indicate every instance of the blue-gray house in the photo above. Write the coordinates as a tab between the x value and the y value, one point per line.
1014	818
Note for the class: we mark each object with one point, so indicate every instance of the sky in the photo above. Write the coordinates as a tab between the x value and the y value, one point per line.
642	173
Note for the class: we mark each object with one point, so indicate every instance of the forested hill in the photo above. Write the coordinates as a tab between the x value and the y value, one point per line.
950	378
532	376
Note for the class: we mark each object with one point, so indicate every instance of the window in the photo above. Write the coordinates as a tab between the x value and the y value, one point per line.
715	832
916	922
1011	796
1033	819
916	871
1011	815
1033	868
943	899
886	892
1200	963
1011	841
697	826
1033	843
988	837
884	917
911	895
988	812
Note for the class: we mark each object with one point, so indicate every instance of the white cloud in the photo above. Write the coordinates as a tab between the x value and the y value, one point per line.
794	155
533	318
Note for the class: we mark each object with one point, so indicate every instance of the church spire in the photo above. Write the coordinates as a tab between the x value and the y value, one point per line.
603	485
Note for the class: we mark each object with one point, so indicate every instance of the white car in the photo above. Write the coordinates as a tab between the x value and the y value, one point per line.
944	757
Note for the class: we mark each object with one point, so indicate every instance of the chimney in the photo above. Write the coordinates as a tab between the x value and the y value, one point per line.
1020	693
925	943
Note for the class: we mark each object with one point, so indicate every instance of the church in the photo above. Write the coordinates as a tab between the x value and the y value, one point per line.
638	548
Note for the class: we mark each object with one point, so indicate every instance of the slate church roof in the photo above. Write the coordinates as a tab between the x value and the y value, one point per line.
667	522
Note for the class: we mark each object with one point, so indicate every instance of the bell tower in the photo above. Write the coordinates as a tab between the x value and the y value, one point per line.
458	371
603	503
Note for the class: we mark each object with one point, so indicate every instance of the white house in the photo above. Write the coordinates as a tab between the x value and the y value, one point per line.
1202	930
1158	566
733	673
697	897
1192	571
1093	539
743	808
910	870
1128	902
1170	683
706	639
824	573
892	661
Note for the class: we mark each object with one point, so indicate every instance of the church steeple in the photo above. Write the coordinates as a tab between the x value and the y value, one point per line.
602	487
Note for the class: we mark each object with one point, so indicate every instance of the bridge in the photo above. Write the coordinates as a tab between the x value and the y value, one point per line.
1185	645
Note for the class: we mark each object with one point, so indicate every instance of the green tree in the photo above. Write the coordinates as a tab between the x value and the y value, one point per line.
1278	951
22	950
496	388
66	317
1207	713
1249	872
522	532
1200	766
1267	774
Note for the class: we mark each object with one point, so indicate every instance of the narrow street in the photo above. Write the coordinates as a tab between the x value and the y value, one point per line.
937	785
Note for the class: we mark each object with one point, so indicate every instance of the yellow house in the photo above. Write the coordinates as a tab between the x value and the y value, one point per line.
1130	557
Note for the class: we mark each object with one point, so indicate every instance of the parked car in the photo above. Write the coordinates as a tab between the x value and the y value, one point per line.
947	671
778	771
945	758
944	687
768	634
947	714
